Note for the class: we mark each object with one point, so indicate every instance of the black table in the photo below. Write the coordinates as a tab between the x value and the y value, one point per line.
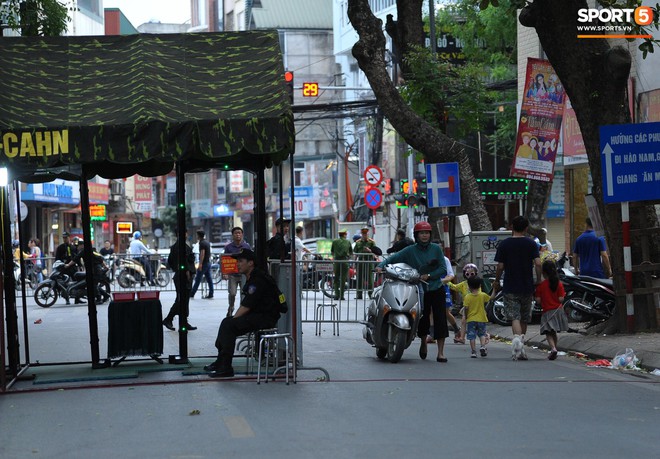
135	328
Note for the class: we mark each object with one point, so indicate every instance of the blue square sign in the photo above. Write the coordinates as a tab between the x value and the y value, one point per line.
630	159
443	185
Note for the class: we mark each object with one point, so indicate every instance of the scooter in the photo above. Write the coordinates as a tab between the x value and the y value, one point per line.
588	298
59	283
394	312
132	272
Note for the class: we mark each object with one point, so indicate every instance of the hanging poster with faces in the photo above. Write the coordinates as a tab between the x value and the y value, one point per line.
539	125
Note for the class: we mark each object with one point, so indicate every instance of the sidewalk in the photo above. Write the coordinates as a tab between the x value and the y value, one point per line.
645	345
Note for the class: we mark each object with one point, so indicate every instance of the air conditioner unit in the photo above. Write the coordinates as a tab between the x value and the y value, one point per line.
116	188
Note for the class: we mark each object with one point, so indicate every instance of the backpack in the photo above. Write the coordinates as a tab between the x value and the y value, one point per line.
283	306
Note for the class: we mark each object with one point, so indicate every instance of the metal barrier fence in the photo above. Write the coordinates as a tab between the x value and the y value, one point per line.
318	303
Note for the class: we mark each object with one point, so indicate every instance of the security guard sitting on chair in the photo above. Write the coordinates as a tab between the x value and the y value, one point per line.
260	308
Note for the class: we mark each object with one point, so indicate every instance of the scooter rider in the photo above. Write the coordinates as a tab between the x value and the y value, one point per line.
426	256
140	252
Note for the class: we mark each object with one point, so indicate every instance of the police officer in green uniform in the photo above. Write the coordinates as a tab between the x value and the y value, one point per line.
341	250
260	308
365	256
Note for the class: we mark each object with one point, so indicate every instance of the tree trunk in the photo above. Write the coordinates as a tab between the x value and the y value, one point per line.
595	77
419	134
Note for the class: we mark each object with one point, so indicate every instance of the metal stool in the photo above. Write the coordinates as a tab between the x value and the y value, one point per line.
247	346
271	342
319	315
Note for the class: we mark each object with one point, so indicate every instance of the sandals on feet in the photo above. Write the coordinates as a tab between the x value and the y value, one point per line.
553	355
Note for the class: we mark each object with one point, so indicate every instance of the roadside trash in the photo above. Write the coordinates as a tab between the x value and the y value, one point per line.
561	353
580	355
656	372
38	321
599	363
627	360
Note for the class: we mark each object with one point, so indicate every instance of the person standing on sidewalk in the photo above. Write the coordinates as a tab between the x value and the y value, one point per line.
234	280
181	306
592	259
550	295
364	255
516	257
427	258
204	266
341	251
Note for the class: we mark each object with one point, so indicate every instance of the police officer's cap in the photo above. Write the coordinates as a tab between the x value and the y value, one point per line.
343	231
245	254
365	229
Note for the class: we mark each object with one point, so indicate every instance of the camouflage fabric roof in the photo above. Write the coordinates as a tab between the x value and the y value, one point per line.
120	105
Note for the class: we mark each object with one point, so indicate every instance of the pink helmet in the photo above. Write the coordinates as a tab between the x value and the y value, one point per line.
470	267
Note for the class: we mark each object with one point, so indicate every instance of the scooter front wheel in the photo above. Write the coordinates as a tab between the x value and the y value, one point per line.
45	295
397	344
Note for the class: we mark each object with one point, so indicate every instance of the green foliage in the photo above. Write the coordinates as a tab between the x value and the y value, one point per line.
168	218
438	90
36	17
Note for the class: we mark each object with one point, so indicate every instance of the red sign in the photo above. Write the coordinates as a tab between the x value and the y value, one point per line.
228	265
540	123
373	175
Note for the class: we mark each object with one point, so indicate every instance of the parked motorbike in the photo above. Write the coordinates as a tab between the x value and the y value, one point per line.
394	312
59	283
30	275
326	282
132	272
588	298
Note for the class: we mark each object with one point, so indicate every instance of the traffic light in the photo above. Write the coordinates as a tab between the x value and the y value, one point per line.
288	79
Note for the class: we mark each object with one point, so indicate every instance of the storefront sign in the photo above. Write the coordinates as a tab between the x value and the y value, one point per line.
124	227
97	213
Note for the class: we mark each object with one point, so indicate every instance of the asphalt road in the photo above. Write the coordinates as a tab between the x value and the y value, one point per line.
468	408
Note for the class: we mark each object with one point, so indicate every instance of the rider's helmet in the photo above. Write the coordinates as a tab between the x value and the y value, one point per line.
470	270
137	235
422	226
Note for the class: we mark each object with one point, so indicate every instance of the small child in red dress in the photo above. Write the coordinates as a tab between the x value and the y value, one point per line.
550	293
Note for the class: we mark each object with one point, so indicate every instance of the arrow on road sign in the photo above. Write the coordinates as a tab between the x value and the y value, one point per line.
607	151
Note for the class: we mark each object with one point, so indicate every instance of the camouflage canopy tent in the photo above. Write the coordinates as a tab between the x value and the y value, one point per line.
115	106
124	105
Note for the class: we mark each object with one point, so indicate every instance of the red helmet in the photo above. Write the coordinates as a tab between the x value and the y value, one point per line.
422	226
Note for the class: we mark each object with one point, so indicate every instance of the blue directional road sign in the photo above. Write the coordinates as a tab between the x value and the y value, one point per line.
630	158
442	185
373	198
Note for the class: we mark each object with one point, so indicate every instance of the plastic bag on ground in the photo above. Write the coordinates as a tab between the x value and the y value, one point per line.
627	360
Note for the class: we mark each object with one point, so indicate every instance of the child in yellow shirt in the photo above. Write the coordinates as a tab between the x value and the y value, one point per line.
474	304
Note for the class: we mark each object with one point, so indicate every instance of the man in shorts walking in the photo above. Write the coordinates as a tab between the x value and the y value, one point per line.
515	257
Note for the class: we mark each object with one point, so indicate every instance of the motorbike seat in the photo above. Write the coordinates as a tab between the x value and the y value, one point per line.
605	282
79	276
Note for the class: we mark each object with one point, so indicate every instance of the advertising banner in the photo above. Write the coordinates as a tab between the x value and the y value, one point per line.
575	153
539	124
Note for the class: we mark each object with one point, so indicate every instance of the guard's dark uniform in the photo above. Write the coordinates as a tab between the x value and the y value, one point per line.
262	299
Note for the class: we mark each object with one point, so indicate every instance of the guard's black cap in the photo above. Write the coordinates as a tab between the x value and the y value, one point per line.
246	254
65	234
279	221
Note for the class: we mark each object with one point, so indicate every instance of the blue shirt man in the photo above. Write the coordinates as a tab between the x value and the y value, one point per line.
592	259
